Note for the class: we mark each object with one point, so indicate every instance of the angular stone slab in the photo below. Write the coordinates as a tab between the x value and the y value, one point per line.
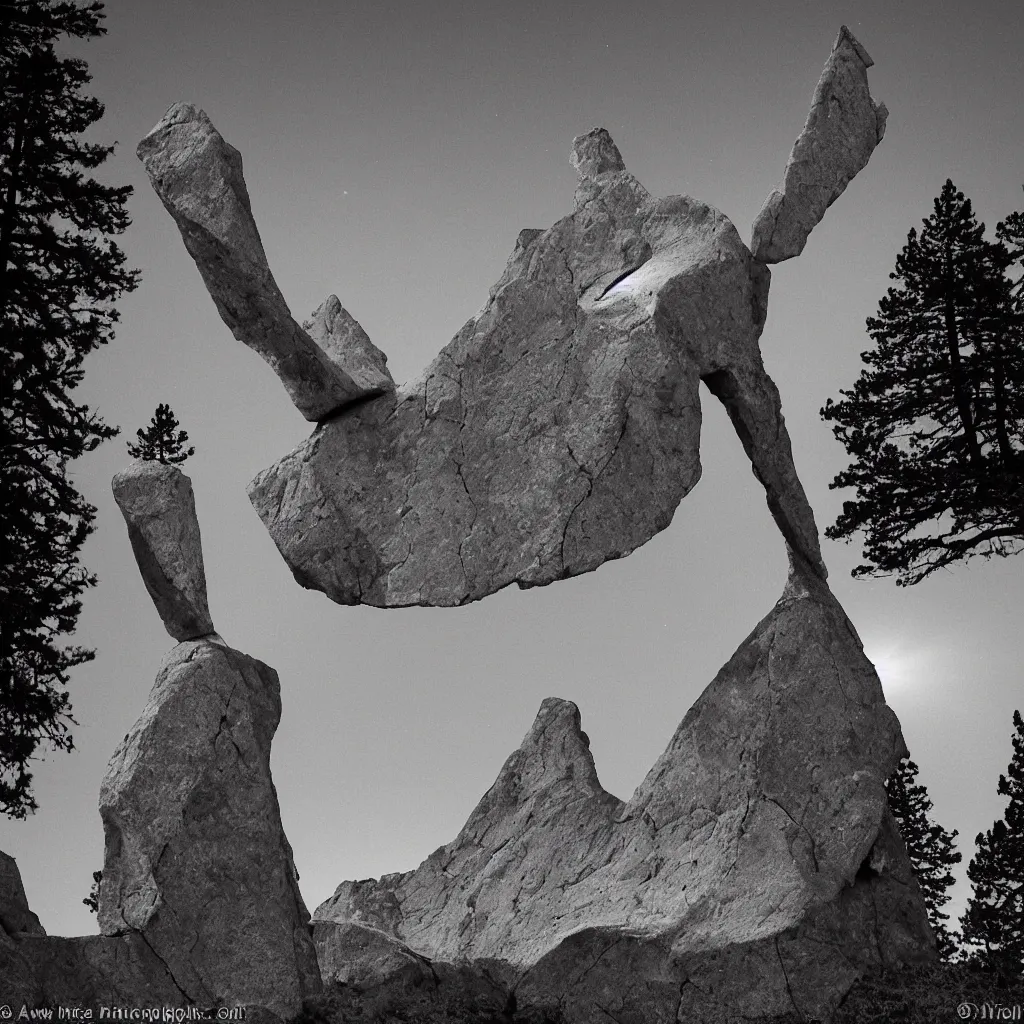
842	129
755	871
346	344
196	861
560	428
157	503
198	178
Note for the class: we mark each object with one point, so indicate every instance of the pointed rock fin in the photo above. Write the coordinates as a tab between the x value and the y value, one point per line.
842	129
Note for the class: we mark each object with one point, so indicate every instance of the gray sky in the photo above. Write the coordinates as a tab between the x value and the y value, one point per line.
393	150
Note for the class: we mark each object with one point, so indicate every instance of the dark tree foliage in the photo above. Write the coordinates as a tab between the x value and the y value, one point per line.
993	923
929	846
60	274
92	901
161	441
935	423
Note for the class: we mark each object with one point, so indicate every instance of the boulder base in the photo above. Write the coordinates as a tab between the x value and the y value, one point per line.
196	862
755	871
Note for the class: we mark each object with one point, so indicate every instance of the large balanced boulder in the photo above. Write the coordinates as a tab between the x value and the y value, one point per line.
755	871
196	861
159	508
198	177
560	427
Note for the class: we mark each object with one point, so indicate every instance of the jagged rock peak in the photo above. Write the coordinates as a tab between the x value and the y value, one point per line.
554	756
15	916
757	861
842	129
159	508
595	153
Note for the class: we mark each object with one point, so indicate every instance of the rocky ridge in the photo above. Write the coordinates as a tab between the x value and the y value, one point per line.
755	871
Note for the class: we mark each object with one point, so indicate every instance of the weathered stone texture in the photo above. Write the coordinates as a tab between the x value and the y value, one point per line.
843	128
560	427
198	177
760	846
159	508
196	860
39	970
357	954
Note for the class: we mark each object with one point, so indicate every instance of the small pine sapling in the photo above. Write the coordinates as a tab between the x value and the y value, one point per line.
161	441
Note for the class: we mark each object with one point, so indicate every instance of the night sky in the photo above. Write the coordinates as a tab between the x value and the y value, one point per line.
393	151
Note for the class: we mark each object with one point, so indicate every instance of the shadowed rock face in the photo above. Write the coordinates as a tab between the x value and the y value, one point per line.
39	970
15	916
756	870
159	509
560	427
843	128
196	860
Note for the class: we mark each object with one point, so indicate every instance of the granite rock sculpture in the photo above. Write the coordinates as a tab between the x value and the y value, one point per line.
843	128
198	177
560	427
196	862
755	871
159	509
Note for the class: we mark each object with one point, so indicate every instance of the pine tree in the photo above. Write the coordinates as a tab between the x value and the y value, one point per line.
60	274
929	847
935	423
159	442
993	923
